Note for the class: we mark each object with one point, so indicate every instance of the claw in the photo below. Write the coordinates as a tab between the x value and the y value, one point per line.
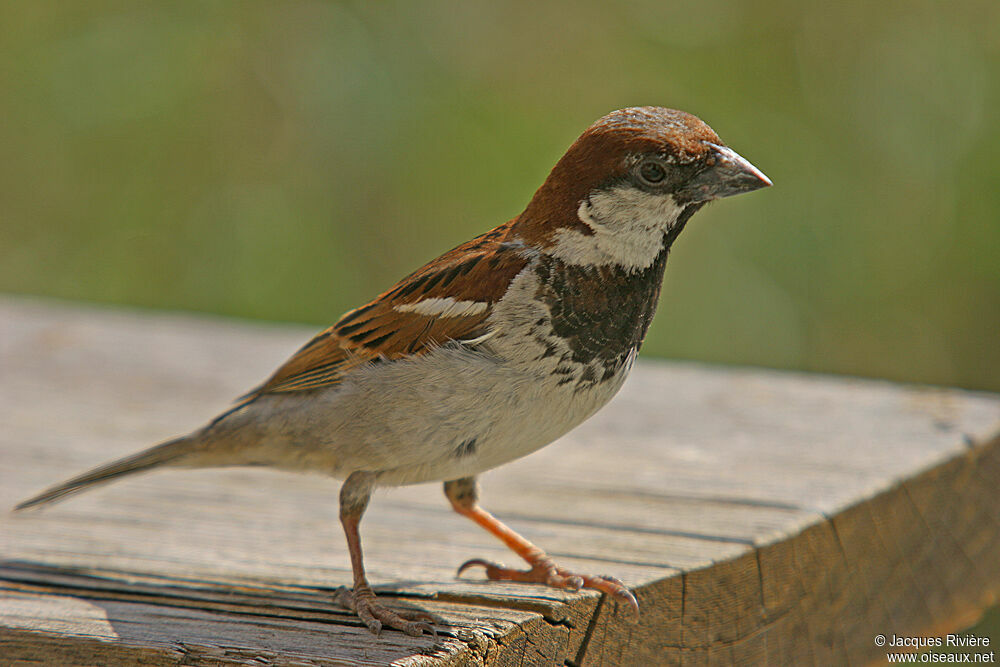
626	596
616	588
477	561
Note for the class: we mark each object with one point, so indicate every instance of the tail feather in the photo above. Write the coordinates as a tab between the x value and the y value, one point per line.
165	453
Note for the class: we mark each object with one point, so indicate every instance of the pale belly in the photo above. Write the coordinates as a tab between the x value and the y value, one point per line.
462	413
452	413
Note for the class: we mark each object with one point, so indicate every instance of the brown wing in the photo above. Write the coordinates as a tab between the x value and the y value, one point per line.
389	328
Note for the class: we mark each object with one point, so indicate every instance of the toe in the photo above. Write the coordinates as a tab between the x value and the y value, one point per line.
614	580
344	597
398	621
416	615
544	571
418	629
375	616
573	582
374	625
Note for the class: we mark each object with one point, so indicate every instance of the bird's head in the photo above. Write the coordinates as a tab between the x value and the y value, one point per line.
629	183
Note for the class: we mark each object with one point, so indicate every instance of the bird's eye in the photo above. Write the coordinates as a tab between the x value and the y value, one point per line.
652	172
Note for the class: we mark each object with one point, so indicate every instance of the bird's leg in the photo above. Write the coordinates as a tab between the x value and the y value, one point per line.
464	496
354	495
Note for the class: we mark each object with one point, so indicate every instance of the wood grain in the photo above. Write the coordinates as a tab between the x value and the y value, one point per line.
761	517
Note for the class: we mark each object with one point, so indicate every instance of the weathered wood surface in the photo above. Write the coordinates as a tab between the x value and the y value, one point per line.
762	517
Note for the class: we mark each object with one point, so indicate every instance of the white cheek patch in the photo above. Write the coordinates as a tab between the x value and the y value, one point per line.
628	224
446	307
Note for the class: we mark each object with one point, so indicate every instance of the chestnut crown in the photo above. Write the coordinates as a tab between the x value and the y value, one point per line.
654	150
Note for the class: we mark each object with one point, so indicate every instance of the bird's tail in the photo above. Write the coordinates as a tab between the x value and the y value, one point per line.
168	453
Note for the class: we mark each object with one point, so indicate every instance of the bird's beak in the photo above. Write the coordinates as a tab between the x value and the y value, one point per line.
727	174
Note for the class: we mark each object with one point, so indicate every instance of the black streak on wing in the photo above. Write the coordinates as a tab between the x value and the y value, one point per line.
354	314
410	286
350	328
376	342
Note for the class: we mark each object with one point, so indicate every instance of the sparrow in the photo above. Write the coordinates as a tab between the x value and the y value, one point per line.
484	355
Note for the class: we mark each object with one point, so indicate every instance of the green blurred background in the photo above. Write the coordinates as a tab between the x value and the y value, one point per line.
289	160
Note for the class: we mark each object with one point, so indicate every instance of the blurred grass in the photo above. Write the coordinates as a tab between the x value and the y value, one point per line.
289	160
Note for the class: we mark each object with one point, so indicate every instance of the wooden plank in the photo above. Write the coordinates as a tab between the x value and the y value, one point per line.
761	516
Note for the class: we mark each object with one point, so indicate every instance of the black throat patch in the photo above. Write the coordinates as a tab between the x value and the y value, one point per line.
603	312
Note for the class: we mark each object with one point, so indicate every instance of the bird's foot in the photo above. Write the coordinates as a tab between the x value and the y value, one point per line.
544	571
373	614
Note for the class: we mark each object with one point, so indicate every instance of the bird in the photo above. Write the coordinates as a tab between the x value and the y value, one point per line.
484	355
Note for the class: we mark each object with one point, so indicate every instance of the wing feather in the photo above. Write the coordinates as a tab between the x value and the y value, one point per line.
478	271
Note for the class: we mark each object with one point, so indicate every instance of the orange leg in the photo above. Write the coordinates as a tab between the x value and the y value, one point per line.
463	495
